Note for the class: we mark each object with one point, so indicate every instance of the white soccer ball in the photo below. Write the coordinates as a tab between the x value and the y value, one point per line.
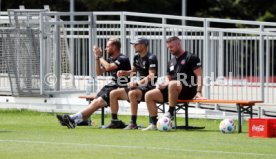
164	124
227	126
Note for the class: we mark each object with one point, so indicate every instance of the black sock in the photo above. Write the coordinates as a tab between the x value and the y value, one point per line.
171	110
133	119
114	116
154	120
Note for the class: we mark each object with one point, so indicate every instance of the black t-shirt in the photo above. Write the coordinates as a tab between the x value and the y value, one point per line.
123	63
185	64
144	64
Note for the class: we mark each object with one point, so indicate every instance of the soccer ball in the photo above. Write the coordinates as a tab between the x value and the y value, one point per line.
227	126
164	124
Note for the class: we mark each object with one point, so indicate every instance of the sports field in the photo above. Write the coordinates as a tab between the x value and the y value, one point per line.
33	135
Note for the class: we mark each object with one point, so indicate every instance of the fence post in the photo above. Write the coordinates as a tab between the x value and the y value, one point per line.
261	60
57	54
92	41
123	32
164	58
206	59
42	45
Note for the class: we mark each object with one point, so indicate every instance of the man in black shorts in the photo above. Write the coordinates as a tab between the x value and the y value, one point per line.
115	62
145	65
184	81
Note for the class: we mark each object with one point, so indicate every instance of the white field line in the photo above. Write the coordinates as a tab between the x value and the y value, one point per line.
139	147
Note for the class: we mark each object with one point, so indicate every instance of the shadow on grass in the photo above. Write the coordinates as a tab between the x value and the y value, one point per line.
5	131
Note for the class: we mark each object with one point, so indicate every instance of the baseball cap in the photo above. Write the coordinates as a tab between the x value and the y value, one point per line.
140	41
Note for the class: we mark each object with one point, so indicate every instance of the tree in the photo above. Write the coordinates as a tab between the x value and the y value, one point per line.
264	10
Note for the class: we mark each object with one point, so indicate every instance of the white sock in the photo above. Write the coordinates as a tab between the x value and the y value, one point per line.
77	117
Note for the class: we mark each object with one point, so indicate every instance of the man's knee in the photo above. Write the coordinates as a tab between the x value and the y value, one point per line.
98	103
175	86
134	94
115	94
150	95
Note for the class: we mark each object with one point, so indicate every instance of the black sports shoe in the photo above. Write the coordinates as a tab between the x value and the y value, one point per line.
69	122
116	124
61	119
86	122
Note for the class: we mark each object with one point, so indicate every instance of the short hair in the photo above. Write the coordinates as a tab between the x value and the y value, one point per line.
116	42
173	38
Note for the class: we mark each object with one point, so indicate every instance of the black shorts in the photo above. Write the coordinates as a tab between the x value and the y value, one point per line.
186	92
105	92
143	89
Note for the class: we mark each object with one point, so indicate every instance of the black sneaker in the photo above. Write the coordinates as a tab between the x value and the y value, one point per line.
69	122
61	119
86	122
116	124
131	126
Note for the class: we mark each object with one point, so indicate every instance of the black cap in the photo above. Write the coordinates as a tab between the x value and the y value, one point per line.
140	41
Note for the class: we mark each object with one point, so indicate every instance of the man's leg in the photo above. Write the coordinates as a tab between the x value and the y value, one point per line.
134	97
115	96
72	120
152	97
174	89
90	109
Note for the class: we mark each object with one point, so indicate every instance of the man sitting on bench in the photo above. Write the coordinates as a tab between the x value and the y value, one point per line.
115	62
145	64
184	81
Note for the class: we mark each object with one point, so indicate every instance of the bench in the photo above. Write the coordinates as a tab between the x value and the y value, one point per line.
243	106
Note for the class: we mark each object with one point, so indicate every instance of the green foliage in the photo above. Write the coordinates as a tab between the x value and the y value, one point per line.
263	10
236	9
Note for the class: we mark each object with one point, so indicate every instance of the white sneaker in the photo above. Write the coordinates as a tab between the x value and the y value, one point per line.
168	115
150	127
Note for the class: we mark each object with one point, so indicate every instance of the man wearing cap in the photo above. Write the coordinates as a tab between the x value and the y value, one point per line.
146	66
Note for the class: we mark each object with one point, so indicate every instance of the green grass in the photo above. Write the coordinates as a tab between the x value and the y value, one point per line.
33	135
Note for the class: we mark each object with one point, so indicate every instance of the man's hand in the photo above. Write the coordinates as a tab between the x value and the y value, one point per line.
163	85
199	96
132	85
121	73
97	51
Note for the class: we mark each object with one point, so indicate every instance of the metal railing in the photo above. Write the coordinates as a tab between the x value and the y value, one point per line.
238	56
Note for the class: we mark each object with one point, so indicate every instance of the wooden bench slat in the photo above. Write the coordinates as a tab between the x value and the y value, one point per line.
241	102
88	96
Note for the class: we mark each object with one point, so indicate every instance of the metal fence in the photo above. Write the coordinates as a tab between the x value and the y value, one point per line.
238	56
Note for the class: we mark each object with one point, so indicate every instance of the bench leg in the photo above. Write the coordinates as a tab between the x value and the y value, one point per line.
251	112
174	116
186	106
186	115
102	117
239	119
163	105
243	109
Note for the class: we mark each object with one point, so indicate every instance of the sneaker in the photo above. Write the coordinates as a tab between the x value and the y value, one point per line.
61	119
150	127
131	126
86	122
116	124
167	114
69	122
